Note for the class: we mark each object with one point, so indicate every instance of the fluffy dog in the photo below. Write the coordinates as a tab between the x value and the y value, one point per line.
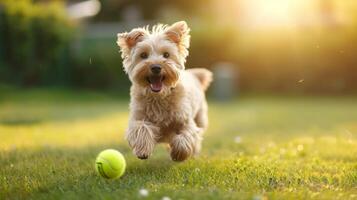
167	102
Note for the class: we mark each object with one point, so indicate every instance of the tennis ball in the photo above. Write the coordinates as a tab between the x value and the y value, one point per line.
110	164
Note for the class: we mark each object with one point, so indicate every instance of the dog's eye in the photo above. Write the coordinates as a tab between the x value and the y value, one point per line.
166	55
144	55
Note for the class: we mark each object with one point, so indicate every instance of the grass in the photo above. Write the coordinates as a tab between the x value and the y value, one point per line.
255	148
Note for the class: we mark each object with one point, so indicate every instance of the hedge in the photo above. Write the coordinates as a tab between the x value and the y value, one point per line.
34	42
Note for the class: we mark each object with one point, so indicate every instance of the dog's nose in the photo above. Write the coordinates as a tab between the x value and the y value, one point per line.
155	68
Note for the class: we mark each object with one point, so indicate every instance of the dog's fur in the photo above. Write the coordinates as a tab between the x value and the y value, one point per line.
170	106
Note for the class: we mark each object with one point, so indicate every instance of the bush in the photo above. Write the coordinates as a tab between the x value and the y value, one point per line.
34	42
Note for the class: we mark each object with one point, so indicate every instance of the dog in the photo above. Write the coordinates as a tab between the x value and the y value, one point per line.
168	103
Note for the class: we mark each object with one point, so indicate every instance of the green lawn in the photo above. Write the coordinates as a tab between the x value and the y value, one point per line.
257	147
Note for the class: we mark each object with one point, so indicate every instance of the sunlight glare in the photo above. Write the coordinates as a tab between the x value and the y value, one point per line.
271	12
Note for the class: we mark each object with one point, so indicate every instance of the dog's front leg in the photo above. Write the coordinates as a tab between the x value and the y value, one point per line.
142	136
186	143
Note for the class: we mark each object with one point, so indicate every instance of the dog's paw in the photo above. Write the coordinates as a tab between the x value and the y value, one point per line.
181	147
142	138
143	157
142	154
179	155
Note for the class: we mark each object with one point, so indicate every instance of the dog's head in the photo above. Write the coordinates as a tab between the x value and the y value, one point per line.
154	58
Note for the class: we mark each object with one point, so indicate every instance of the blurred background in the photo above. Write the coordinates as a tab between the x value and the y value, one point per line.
253	46
282	107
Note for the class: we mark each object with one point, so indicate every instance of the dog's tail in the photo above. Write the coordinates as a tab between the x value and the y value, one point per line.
204	76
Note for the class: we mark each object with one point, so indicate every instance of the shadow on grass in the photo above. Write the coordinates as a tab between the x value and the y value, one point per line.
20	121
35	114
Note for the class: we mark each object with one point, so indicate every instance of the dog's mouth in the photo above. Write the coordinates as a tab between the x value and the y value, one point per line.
156	82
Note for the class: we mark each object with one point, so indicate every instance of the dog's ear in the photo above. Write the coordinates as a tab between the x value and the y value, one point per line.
179	34
126	41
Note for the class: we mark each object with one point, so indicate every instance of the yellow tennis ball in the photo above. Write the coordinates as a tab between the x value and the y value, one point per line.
110	164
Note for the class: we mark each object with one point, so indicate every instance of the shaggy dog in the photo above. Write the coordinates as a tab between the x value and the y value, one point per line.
167	102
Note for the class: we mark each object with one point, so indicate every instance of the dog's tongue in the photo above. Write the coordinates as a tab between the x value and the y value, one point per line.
156	83
156	87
